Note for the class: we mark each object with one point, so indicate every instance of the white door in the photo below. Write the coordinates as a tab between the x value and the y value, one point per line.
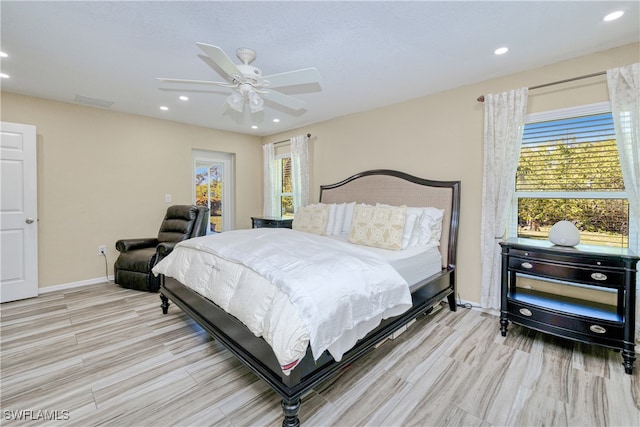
18	212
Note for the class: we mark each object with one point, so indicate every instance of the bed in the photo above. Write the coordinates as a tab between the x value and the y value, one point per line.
426	287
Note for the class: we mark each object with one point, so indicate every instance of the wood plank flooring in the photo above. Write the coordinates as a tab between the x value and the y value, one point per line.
103	355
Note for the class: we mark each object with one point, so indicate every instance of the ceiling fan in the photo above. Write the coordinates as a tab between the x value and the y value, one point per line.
249	86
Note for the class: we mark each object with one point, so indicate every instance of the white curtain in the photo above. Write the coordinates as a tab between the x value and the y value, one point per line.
300	171
624	94
270	207
503	124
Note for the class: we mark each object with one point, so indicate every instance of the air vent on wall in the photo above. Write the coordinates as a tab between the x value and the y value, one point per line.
94	102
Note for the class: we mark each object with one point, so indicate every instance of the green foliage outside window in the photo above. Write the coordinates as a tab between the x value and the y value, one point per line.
208	184
571	165
286	199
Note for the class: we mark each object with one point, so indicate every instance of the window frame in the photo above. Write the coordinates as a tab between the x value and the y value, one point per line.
567	113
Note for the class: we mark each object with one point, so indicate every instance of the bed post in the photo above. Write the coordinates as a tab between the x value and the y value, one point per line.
165	304
290	409
451	299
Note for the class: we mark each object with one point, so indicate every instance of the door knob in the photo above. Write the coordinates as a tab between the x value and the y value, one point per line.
29	220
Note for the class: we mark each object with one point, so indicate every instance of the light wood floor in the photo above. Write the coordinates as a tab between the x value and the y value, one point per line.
103	355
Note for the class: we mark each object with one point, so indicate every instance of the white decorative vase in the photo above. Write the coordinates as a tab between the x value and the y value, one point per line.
564	233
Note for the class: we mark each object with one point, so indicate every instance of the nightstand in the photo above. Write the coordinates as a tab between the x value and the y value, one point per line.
271	222
611	269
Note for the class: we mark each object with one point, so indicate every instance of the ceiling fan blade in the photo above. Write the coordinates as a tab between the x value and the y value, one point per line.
282	99
211	63
219	61
292	78
199	82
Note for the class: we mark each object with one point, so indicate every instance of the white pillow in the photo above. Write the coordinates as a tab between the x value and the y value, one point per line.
348	217
339	219
436	222
436	232
331	219
421	232
428	228
408	229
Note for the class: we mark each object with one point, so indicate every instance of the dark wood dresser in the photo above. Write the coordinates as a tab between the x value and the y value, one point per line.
608	269
271	222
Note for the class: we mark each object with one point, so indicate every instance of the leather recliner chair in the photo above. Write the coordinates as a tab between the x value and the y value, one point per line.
137	257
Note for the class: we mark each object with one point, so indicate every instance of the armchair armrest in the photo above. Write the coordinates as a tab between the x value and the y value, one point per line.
164	249
125	245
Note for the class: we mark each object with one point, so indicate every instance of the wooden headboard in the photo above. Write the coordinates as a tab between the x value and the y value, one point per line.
399	188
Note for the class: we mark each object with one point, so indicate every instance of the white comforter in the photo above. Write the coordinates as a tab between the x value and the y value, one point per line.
292	288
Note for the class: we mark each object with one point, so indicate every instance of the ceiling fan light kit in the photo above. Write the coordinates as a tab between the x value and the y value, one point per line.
236	102
247	81
255	102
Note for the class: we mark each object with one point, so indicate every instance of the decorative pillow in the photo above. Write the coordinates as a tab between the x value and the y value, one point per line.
412	216
311	219
378	226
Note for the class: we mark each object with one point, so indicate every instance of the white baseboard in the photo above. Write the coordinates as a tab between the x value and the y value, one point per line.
64	286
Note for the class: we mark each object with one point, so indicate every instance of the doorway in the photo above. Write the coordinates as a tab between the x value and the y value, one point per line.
213	187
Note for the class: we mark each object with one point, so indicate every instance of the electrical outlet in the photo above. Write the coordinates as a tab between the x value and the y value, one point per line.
102	250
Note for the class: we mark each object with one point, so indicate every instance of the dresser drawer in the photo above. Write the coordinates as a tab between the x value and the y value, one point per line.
583	274
569	258
586	329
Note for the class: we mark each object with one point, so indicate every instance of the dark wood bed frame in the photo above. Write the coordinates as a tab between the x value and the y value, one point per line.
383	186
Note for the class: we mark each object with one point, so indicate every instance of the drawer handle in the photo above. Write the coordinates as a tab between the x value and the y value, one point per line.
598	276
526	312
527	265
597	329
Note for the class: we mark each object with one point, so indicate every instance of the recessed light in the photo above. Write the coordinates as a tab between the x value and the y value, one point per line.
163	108
501	50
613	15
184	98
254	127
3	55
4	76
276	120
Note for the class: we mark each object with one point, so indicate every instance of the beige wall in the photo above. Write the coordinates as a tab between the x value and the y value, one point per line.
441	137
102	176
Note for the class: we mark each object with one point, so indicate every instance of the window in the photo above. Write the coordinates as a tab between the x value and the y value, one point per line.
569	169
213	187
286	176
285	186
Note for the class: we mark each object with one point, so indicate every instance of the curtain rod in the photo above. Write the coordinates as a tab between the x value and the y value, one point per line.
481	97
288	140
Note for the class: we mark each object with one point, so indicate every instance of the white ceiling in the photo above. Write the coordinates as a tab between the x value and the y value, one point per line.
369	53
